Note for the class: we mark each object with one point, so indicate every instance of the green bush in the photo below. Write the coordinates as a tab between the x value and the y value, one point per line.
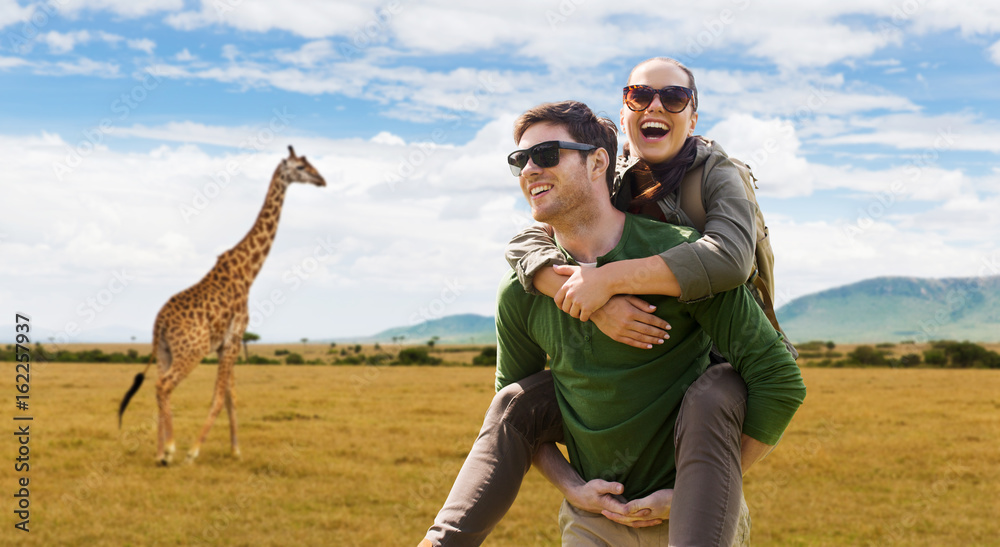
935	357
416	356
486	358
812	345
294	359
867	355
966	355
909	360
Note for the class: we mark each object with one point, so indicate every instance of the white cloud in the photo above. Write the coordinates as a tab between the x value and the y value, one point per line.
931	135
994	52
308	18
82	66
771	148
143	44
127	210
310	54
185	56
12	12
59	42
11	62
124	8
806	252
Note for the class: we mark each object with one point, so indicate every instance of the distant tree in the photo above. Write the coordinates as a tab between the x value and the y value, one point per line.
867	355
248	337
486	358
935	356
416	356
357	348
830	345
294	359
909	360
432	341
333	344
967	355
377	346
304	340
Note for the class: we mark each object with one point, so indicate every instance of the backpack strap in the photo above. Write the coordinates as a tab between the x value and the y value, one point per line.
689	198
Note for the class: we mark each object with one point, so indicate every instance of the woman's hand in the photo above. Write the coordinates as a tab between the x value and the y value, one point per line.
586	290
648	511
630	320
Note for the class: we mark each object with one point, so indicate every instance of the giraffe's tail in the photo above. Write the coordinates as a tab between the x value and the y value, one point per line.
136	384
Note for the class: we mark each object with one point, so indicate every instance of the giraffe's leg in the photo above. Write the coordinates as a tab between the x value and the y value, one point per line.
162	406
179	369
227	359
231	409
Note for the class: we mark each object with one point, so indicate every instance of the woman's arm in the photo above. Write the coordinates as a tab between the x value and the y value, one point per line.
531	252
722	258
718	261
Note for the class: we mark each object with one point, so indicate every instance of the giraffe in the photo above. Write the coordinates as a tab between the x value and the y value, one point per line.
212	316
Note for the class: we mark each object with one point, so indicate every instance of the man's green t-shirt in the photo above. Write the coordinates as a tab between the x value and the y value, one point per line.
619	403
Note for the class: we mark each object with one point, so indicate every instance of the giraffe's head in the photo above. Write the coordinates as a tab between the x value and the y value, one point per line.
298	169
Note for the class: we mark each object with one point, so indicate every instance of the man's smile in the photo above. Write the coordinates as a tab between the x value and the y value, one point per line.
539	189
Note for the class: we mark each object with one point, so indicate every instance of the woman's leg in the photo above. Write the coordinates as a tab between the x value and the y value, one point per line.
521	417
709	485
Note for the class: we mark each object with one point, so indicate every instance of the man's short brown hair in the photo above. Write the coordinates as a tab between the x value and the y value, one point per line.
580	122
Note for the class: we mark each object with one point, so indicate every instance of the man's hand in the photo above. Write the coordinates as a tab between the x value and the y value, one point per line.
586	291
597	496
648	511
630	320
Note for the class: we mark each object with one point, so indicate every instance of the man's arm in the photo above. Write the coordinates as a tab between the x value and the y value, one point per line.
775	389
594	496
752	451
518	355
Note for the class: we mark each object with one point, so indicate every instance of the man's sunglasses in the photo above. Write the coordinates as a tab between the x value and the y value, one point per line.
544	154
674	98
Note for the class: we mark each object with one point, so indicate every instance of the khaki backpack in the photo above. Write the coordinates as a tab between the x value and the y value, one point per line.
761	281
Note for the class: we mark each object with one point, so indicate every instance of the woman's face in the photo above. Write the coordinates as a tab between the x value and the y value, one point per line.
654	134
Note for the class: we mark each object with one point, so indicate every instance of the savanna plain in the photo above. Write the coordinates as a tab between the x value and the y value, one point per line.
365	455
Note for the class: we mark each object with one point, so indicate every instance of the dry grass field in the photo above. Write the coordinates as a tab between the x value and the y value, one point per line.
339	455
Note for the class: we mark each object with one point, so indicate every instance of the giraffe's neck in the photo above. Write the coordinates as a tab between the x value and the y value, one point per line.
252	250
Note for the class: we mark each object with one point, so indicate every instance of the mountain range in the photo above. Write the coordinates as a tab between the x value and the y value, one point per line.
894	309
882	309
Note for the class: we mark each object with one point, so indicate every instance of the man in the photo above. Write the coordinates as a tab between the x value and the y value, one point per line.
620	404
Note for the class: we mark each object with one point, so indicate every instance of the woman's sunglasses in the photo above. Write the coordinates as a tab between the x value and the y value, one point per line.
674	98
544	154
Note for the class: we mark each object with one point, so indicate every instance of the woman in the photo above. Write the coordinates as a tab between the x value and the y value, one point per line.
658	117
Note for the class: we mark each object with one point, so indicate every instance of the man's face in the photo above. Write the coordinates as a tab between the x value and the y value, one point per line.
554	191
645	129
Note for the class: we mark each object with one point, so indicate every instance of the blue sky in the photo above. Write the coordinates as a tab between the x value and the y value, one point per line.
872	127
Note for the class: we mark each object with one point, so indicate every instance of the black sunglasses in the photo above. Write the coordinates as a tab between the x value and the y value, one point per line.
674	98
544	154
